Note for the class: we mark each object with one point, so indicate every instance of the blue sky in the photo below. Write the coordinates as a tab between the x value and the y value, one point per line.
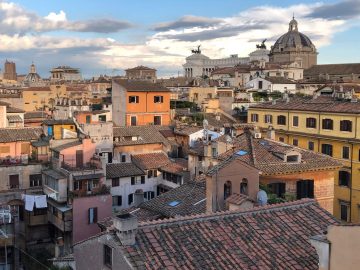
109	36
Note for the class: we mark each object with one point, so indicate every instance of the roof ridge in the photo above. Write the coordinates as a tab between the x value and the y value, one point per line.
213	215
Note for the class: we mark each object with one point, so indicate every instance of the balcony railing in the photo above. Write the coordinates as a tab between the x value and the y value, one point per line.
65	226
18	160
92	165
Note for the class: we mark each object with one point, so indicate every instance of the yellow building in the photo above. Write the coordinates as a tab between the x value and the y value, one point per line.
325	124
36	98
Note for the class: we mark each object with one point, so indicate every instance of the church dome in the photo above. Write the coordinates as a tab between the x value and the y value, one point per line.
293	40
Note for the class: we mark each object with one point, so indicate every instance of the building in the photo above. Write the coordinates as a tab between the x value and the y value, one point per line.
10	116
9	71
337	247
236	76
199	65
333	73
326	124
141	73
273	237
77	196
65	73
33	78
294	46
139	140
140	103
59	129
272	84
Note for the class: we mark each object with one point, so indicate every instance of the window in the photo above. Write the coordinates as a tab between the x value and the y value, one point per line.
102	118
158	99
304	189
281	139
108	256
14	181
157	120
278	189
244	186
77	185
295	142
132	180
35	180
346	152
214	152
88	119
295	121
150	173
310	122
115	182
227	189
344	178
92	215
148	195
281	120
311	145
346	125
130	198
133	120
133	99
260	84
328	124
143	179
268	118
327	149
344	209
117	200
123	158
254	117
292	158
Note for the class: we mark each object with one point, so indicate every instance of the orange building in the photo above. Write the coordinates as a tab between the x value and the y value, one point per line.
139	103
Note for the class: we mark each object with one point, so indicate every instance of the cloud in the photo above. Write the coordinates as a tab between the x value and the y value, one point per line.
14	19
187	22
341	10
99	26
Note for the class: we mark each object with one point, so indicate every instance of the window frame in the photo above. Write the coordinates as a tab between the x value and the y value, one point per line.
346	127
94	220
311	122
133	99
108	256
345	154
312	148
160	99
295	123
344	182
254	117
327	124
323	145
268	119
281	120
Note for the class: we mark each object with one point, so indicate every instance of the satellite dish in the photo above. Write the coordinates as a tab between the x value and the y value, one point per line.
262	197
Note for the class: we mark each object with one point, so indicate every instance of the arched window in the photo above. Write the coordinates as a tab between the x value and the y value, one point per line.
244	186
227	189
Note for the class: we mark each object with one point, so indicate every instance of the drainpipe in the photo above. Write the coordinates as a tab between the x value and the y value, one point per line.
351	178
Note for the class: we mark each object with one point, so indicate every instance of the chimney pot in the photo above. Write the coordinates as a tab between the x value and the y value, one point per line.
126	227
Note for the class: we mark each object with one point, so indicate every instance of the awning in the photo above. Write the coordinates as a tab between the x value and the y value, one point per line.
14	118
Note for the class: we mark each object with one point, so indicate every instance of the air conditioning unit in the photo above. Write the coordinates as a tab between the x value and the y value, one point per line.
257	135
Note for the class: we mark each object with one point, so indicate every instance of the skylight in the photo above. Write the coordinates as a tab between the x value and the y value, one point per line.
174	203
241	153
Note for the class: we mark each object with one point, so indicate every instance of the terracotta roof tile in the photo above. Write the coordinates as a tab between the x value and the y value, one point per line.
20	134
115	170
141	86
150	160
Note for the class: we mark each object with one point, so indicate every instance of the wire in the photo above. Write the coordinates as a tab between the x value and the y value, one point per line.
23	251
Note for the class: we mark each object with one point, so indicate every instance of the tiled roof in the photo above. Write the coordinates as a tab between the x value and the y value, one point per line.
263	154
271	237
20	134
14	110
115	170
38	114
141	86
279	80
39	88
61	147
187	130
319	104
224	121
54	174
173	167
58	122
238	199
350	68
191	199
150	160
144	135
232	70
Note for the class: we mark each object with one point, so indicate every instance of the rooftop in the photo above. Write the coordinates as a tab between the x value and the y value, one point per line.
115	170
270	237
150	160
20	134
265	155
141	86
140	68
64	146
333	69
137	135
319	104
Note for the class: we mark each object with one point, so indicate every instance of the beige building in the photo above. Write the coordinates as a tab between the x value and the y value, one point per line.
141	73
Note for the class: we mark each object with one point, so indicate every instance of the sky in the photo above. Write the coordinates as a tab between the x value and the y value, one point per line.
108	36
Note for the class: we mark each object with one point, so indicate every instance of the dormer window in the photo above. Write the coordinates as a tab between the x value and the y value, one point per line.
292	158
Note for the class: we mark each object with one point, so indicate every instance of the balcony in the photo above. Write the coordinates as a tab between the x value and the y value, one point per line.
73	167
64	226
18	161
102	190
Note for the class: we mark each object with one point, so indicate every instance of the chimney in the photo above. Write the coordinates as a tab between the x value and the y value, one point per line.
270	134
126	227
138	197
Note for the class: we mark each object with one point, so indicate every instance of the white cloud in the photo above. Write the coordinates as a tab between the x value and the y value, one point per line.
57	17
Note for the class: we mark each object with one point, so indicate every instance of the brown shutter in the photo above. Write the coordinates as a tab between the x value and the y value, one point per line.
14	181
